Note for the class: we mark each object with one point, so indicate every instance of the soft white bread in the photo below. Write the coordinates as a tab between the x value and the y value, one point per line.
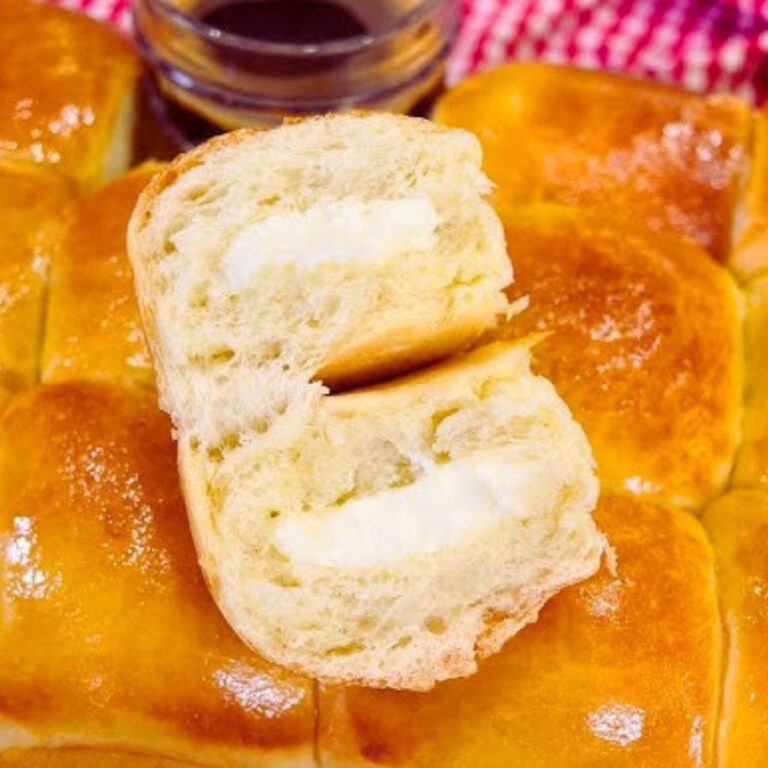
392	535
346	248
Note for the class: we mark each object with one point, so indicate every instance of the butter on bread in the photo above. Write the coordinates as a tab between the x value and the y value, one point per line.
373	250
395	534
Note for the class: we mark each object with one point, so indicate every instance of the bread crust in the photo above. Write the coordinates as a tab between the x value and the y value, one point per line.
35	205
93	329
79	104
587	684
649	153
645	345
117	647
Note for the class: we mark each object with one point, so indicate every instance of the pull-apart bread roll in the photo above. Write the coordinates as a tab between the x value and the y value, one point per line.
643	343
93	330
622	670
394	534
112	651
35	203
670	159
749	256
752	460
66	91
738	526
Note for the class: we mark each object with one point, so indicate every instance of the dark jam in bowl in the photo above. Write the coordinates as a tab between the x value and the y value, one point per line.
222	64
284	21
292	22
289	22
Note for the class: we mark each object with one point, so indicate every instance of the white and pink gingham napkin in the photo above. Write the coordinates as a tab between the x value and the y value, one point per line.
704	45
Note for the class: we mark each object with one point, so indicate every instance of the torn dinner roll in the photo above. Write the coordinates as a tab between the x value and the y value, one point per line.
395	534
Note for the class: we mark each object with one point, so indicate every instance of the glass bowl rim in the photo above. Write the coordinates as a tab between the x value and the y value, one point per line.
305	50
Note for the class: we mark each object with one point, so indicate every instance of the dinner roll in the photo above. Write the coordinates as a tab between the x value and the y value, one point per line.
644	345
113	652
654	154
34	204
67	91
356	247
749	256
738	526
93	330
621	670
395	534
392	535
752	461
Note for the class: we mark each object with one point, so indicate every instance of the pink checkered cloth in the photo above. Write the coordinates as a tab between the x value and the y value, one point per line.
704	45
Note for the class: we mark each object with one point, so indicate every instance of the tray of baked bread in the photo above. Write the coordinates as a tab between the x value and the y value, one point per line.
621	253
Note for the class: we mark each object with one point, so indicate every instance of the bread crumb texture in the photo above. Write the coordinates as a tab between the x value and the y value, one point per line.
398	530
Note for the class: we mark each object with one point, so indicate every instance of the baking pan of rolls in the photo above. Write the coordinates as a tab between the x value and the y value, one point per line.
379	441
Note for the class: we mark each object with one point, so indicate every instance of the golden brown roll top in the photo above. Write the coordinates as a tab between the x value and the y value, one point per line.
66	91
738	526
93	330
621	670
749	255
643	342
35	204
664	157
752	461
108	636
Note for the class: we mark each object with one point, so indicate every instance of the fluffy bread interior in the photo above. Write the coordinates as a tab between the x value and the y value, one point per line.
342	249
394	535
389	536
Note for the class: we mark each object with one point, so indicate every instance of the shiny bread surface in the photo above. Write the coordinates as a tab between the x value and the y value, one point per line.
35	205
643	340
622	670
737	524
108	635
93	329
112	651
667	158
66	91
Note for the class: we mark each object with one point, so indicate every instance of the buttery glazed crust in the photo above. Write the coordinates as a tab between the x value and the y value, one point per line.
738	526
749	256
107	634
64	86
621	670
35	203
93	329
670	159
752	460
645	346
